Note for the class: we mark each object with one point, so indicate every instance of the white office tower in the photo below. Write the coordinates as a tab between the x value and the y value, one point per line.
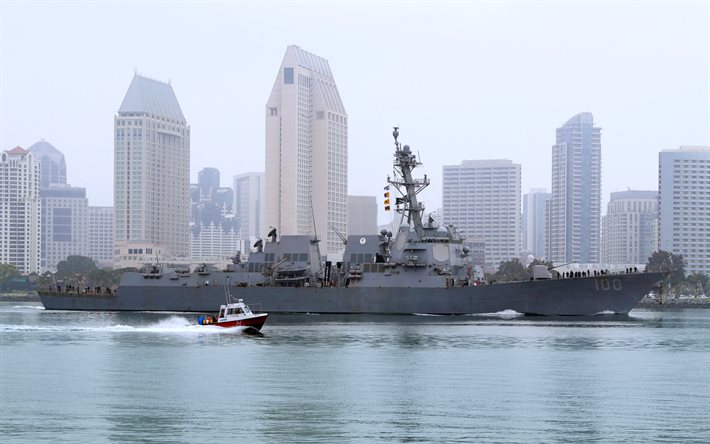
534	224
575	205
630	228
684	205
20	210
65	224
215	242
306	177
101	236
151	176
362	215
249	205
482	200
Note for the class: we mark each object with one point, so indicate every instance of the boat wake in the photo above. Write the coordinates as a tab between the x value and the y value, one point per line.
504	314
173	324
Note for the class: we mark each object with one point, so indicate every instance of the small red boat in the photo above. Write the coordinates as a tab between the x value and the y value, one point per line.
236	314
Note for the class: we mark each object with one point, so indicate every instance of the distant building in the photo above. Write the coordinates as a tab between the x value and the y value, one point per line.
362	215
208	182
629	228
684	205
249	205
151	176
53	167
101	236
575	204
481	198
65	224
306	176
214	243
20	210
534	225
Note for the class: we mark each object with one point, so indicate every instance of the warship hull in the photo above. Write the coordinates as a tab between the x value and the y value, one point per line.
562	297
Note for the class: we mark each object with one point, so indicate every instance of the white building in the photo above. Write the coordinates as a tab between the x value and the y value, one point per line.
575	204
20	210
65	224
306	175
214	243
249	205
684	205
362	215
534	221
101	236
630	228
481	198
151	176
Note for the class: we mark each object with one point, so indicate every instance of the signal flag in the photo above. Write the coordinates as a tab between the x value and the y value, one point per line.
387	201
387	208
387	195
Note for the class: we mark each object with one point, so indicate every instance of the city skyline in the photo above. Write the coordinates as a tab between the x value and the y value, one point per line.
648	93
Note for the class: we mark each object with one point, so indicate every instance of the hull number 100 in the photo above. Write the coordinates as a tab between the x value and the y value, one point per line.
604	284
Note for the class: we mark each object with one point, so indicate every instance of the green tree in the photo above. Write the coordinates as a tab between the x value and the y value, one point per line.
512	270
667	262
7	272
75	265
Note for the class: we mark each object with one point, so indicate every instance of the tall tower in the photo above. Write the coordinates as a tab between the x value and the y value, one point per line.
52	166
481	199
20	210
629	228
575	205
249	204
534	225
306	177
151	175
684	205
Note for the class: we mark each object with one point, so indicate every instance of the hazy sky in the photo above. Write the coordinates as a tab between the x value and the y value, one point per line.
464	80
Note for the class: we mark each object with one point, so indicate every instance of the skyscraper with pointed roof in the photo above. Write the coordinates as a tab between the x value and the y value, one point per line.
151	175
53	167
575	206
306	177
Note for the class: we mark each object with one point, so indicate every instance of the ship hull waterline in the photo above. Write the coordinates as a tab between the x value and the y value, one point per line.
555	297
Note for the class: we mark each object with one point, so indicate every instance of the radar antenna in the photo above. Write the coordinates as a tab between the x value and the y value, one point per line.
406	185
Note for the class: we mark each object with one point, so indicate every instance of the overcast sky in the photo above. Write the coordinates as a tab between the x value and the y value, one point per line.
463	80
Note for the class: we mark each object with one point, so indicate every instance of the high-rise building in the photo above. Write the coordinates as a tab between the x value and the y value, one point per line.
101	236
208	181
684	205
151	176
20	210
534	225
65	224
482	200
249	205
362	215
575	204
306	176
52	166
629	228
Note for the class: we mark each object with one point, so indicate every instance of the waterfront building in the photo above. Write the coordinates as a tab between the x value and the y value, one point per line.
20	210
151	176
249	205
101	236
208	182
534	225
629	228
575	203
362	215
306	173
684	205
65	224
481	198
52	166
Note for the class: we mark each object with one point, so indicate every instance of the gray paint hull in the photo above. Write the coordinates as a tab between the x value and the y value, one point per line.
581	296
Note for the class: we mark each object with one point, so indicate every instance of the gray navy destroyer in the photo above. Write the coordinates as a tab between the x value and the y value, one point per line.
423	268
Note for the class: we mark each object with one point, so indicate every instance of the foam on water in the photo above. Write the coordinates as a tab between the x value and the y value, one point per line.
504	314
173	324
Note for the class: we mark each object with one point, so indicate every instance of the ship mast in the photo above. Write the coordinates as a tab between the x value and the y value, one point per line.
404	164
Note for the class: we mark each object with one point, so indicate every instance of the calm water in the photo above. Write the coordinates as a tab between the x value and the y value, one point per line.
155	377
